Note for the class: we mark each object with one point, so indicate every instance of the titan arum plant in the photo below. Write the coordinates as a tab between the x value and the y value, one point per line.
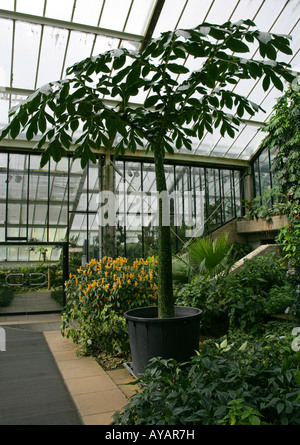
181	103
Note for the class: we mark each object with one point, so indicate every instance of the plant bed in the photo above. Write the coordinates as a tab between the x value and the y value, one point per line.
109	361
240	379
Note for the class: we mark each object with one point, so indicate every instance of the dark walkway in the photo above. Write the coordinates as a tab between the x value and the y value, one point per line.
32	391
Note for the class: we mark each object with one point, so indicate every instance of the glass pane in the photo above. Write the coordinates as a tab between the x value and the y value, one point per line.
34	7
104	43
212	199
38	200
78	235
139	16
17	196
55	10
88	11
93	237
114	14
134	246
4	108
183	205
273	154
120	211
218	13
53	48
7	4
150	220
5	51
80	46
228	208
93	187
58	218
26	46
169	16
256	178
237	193
3	183
78	187
264	170
198	188
133	204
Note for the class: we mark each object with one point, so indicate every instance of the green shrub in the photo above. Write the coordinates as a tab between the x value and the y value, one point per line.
246	291
6	296
243	297
279	299
99	295
204	293
262	273
227	383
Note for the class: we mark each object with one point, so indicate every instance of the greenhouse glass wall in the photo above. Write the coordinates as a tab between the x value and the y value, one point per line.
60	203
262	171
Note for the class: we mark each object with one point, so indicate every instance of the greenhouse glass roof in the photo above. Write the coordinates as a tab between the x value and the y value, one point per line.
39	39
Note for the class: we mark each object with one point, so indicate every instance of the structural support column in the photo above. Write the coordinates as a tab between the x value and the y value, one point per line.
106	232
248	187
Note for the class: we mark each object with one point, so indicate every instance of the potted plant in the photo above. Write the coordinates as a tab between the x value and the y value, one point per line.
181	103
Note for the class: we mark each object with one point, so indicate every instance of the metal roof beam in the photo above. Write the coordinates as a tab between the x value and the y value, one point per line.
152	23
71	26
141	155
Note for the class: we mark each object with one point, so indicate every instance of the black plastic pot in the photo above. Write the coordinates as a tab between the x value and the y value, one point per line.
150	336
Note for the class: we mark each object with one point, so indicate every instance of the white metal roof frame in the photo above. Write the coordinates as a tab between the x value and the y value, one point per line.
39	39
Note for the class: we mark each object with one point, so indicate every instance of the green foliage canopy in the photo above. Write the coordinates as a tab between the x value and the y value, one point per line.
180	103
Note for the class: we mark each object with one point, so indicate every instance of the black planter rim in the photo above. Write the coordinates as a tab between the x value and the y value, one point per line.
181	313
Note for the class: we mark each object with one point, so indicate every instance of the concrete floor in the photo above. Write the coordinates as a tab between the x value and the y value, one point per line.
96	394
40	301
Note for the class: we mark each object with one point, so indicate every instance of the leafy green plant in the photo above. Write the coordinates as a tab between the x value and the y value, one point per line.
205	256
99	294
241	414
284	135
289	238
245	292
245	382
244	298
176	109
239	251
206	294
271	202
245	309
279	299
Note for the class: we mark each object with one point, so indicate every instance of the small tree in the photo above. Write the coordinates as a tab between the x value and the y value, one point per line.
181	103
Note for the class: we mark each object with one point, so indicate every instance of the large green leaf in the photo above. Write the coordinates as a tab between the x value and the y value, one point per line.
237	45
177	69
14	128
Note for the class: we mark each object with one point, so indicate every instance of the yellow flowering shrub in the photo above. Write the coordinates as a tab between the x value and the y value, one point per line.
99	294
